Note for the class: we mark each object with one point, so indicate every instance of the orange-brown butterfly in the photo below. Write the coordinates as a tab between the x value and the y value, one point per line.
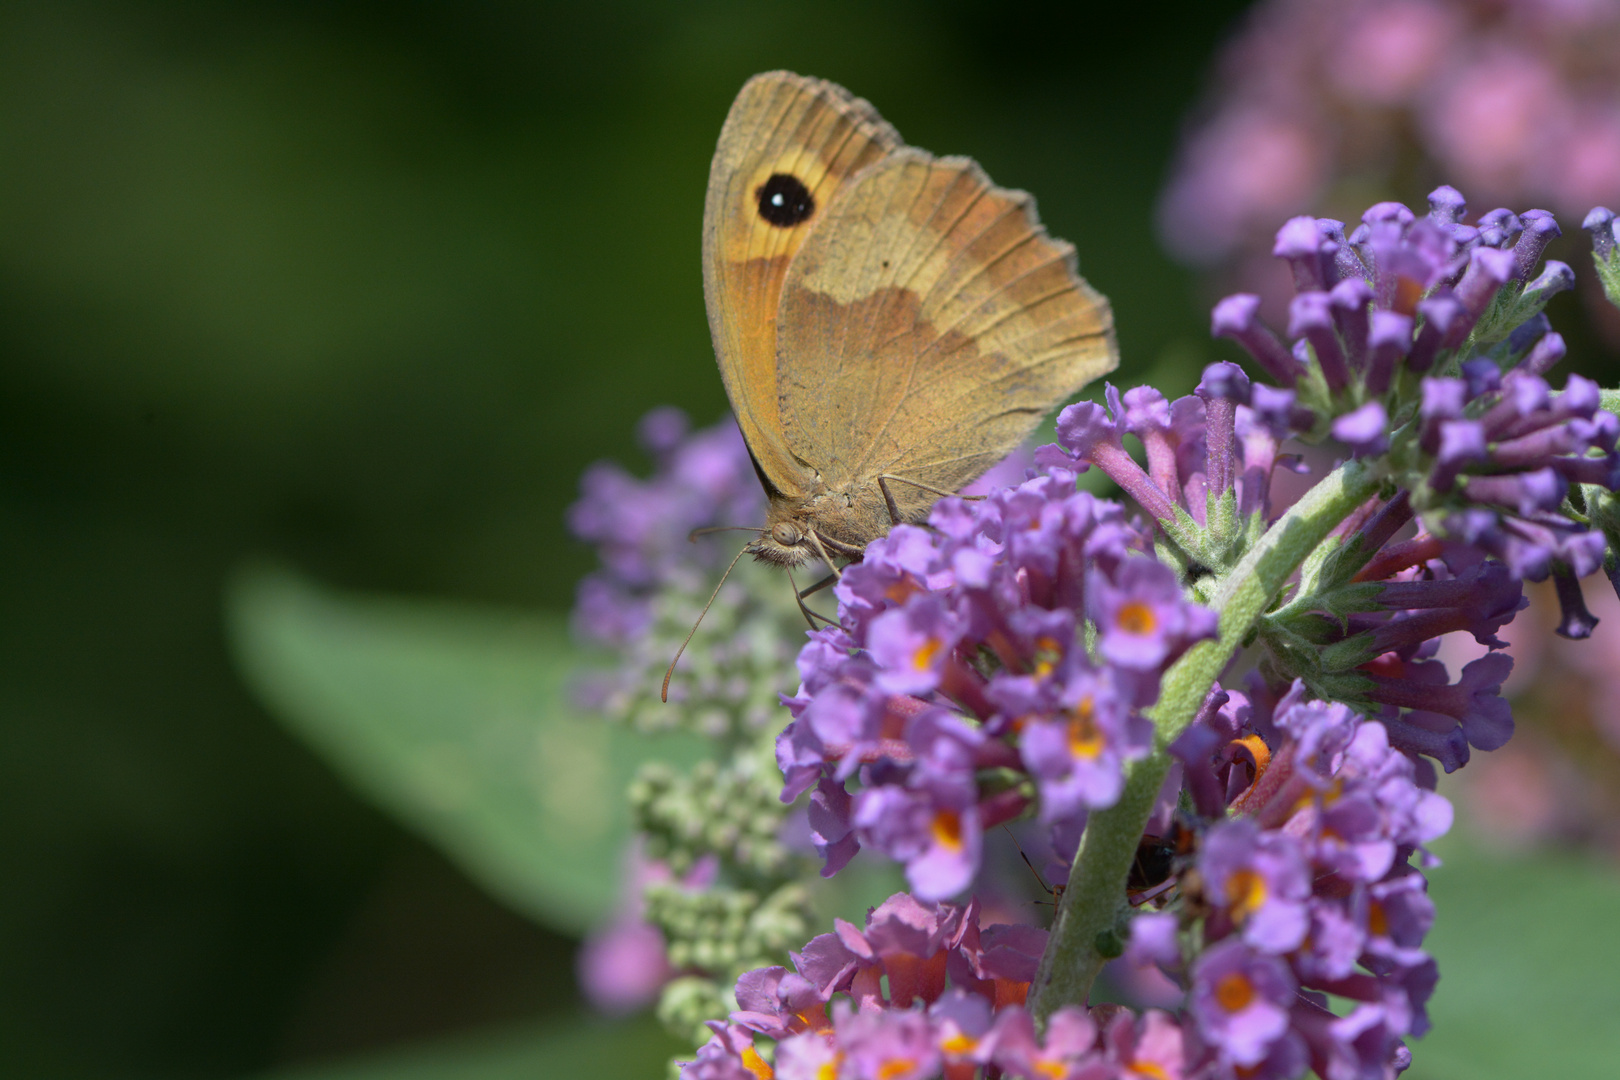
888	324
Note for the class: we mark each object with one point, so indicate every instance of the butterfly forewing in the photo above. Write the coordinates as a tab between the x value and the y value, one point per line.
788	146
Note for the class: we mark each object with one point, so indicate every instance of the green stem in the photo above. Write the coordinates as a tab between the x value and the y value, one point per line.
1086	928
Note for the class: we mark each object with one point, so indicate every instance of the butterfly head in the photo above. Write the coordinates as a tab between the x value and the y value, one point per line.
785	543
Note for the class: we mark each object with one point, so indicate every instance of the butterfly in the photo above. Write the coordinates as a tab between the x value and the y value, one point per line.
888	324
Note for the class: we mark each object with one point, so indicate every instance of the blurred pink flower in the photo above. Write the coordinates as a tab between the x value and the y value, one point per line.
1316	106
1491	120
1239	173
1513	798
1589	172
1387	50
622	964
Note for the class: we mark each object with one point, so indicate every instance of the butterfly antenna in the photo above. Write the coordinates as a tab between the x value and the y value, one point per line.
663	694
1027	863
691	537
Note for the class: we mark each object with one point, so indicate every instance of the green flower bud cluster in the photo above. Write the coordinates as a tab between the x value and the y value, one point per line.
729	930
725	811
721	932
726	683
687	1003
728	809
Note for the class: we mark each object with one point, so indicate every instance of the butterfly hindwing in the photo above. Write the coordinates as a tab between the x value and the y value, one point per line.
926	325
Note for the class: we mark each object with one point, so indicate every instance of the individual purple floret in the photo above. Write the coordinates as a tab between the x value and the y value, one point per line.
1599	225
1238	317
1261	880
1077	756
1142	619
1365	431
1240	998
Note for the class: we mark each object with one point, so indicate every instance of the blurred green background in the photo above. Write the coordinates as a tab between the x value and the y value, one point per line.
361	288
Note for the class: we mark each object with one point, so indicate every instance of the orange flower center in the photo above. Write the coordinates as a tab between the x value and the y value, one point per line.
1408	291
1046	655
1234	992
1245	893
947	829
902	590
757	1065
1150	1070
895	1067
925	653
1377	920
1137	618
1085	739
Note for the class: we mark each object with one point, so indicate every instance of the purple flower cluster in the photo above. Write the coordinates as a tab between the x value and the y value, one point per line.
924	991
1415	341
1509	451
640	527
1426	588
1303	889
960	673
1401	293
1421	338
1222	441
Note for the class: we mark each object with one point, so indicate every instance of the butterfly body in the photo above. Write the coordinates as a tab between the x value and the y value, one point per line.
888	324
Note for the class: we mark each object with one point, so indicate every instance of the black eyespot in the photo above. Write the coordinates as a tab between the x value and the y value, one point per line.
784	201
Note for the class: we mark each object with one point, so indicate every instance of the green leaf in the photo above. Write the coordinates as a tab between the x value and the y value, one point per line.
455	719
1528	954
635	1049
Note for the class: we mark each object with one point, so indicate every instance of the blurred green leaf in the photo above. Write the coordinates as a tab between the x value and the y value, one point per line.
455	719
634	1049
1528	951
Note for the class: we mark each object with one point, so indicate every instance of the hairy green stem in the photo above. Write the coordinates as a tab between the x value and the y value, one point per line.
1087	928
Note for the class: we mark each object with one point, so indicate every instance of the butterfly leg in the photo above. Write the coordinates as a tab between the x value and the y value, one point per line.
810	590
894	512
815	538
810	616
888	500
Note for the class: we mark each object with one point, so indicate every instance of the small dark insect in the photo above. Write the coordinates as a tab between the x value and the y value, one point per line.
1154	870
1155	858
1151	875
